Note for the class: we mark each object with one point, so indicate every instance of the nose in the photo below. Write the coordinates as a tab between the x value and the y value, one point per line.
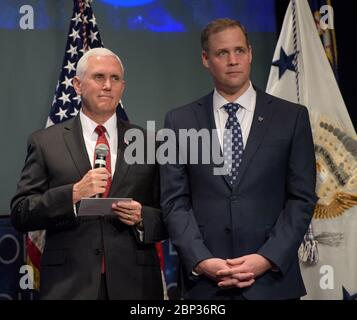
232	59
107	84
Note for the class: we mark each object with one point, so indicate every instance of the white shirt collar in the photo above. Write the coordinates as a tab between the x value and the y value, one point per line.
88	125
245	100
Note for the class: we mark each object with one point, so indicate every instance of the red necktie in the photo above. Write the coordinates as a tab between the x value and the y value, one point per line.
100	130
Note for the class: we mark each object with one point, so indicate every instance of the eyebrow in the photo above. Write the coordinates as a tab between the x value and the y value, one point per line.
235	48
112	75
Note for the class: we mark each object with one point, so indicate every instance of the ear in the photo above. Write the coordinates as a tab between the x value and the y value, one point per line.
122	88
205	59
77	85
250	54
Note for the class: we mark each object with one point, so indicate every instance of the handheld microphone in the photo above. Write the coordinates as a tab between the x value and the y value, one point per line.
101	152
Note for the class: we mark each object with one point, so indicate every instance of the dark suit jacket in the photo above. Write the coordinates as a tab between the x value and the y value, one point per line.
267	211
71	261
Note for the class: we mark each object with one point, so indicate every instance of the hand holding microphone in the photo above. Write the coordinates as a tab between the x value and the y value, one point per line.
101	152
95	181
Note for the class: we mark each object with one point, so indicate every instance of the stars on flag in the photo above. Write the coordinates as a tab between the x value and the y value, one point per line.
285	62
93	36
72	50
77	18
67	82
62	113
64	98
70	66
93	21
78	99
74	35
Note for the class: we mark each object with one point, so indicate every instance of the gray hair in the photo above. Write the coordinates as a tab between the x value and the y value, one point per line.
96	52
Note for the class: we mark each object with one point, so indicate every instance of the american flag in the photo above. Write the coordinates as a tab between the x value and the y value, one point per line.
83	35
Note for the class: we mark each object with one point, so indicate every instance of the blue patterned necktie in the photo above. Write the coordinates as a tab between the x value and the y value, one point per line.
232	142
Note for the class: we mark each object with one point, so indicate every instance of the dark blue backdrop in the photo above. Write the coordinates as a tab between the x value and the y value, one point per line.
11	259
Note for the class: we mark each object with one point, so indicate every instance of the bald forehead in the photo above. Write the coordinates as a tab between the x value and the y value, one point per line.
104	59
105	62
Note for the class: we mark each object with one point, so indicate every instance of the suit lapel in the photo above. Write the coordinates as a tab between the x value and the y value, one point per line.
74	140
205	117
206	120
121	167
260	124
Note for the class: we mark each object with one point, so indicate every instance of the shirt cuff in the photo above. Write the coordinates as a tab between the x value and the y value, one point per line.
195	273
141	234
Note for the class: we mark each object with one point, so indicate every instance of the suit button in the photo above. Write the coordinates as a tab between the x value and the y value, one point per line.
234	198
98	252
228	230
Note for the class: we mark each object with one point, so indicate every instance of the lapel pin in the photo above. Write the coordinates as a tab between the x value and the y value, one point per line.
260	119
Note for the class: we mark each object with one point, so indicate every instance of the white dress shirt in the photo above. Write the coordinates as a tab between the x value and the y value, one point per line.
90	137
244	114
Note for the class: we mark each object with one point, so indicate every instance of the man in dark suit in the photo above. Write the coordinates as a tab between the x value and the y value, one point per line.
92	257
238	234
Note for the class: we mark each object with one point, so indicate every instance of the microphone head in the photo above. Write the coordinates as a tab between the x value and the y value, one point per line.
101	150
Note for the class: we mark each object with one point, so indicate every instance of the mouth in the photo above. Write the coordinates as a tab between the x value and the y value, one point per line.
233	72
105	97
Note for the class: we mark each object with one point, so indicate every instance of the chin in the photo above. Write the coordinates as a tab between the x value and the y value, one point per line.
234	85
106	106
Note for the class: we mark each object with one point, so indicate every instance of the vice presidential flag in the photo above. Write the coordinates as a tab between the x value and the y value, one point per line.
301	73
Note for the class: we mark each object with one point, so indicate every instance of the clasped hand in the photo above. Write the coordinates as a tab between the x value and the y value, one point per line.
239	272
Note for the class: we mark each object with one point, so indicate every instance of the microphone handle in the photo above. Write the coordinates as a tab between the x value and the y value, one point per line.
99	163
